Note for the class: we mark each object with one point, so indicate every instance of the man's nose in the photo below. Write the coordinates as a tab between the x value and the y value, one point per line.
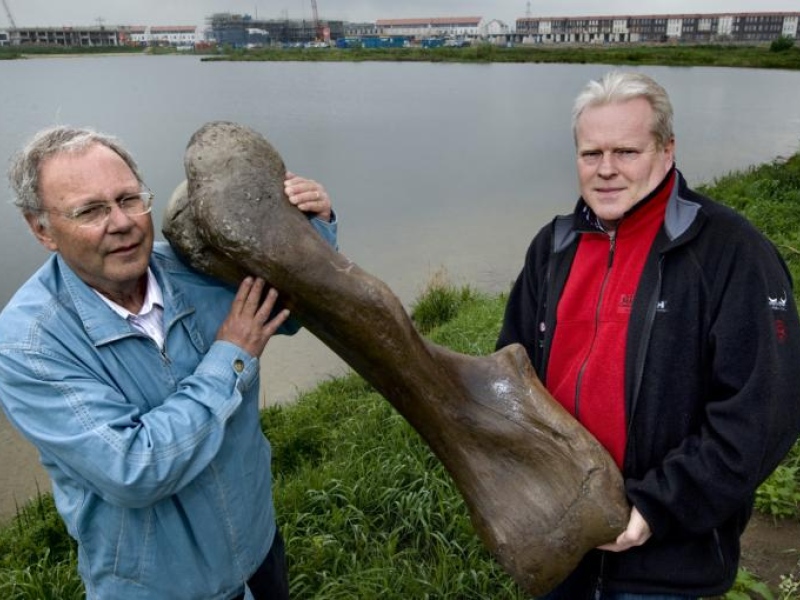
607	165
118	218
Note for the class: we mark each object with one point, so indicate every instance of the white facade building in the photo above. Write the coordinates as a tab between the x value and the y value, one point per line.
791	26
165	35
493	28
466	27
178	35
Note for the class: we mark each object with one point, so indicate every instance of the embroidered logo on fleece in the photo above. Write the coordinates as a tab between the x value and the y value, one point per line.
661	306
625	303
778	303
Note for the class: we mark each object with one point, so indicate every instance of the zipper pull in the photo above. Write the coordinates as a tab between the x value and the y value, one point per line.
612	237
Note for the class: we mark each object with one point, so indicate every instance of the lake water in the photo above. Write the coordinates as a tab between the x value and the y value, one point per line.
430	166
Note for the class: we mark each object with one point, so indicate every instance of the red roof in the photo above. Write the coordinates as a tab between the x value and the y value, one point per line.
474	21
173	29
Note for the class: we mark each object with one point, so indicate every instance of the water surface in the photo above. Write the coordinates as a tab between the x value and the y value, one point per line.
431	166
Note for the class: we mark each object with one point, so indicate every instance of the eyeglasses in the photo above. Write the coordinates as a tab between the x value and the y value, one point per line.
96	214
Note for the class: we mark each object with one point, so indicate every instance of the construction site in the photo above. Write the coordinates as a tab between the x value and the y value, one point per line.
241	31
235	30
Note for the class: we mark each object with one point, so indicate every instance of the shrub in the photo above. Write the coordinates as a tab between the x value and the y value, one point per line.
782	44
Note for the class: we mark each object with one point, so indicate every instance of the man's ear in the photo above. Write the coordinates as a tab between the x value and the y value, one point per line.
41	232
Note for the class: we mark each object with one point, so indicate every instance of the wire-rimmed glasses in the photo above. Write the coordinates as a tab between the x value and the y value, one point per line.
96	214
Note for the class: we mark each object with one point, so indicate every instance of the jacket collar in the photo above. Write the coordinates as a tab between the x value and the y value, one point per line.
681	213
101	323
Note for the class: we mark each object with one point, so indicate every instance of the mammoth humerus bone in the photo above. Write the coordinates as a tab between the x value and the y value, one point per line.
540	490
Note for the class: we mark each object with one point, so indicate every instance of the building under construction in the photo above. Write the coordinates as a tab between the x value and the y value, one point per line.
65	36
241	31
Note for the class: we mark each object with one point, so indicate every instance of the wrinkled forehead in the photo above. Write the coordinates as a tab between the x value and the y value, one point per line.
619	118
86	169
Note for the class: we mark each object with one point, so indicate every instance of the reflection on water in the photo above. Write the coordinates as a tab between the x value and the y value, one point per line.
430	166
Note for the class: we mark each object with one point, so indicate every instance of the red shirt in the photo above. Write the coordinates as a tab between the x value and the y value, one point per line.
586	367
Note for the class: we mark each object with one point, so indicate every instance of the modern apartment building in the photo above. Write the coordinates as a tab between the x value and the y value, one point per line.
433	27
174	35
690	28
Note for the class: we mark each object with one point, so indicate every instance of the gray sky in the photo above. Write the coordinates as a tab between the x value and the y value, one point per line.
50	13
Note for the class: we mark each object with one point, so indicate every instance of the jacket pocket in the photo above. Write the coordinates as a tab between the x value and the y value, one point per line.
132	549
704	562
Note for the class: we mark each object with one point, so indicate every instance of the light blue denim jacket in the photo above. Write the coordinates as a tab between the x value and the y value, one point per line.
158	462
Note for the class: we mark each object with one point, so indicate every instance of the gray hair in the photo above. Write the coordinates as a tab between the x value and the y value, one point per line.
23	174
619	86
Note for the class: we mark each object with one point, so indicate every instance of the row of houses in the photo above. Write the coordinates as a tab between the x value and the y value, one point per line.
243	30
686	28
450	27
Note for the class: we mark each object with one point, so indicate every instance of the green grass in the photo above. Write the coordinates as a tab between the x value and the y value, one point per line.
768	195
366	509
764	56
716	55
23	51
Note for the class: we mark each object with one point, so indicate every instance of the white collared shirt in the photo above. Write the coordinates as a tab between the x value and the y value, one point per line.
150	320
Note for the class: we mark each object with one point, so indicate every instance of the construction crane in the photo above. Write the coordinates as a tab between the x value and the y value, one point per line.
9	15
314	14
314	18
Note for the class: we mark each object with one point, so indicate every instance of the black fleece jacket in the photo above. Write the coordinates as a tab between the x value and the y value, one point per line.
711	404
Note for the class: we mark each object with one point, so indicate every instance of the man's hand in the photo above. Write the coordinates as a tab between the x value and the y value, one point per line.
308	195
248	324
636	533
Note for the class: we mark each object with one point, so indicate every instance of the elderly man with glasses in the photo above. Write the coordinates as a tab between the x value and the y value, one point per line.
137	379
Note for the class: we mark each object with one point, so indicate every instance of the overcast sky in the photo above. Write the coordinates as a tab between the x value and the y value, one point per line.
50	13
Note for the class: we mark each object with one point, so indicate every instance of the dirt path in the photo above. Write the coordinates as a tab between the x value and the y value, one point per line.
20	471
771	549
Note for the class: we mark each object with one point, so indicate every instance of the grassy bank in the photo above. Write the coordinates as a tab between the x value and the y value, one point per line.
669	55
767	56
366	510
12	52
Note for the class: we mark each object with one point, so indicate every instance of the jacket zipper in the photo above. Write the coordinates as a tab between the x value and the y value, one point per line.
598	590
612	237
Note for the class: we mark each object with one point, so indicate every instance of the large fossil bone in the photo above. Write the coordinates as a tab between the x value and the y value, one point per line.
539	488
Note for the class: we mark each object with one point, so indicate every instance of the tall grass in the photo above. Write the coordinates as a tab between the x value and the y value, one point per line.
769	196
37	556
366	509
